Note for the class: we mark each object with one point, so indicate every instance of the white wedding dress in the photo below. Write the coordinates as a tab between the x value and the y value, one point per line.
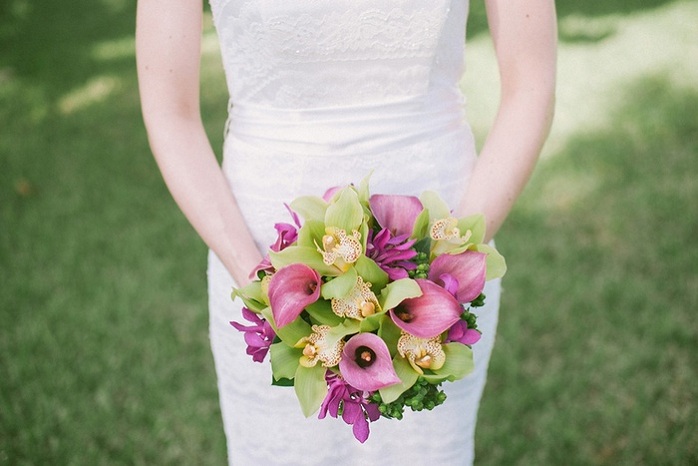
322	93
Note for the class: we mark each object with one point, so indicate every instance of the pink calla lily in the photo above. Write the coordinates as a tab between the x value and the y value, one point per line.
428	315
366	363
329	194
467	269
291	289
396	213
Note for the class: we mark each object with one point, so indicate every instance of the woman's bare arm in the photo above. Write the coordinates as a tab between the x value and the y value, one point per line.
525	40
168	42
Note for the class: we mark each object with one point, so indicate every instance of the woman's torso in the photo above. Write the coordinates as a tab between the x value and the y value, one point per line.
324	91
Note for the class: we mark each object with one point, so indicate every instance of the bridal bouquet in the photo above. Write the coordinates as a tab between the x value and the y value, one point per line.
364	306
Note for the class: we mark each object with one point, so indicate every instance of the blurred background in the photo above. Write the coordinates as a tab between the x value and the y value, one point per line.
104	355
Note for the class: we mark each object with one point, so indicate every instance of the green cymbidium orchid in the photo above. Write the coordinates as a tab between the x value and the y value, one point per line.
319	346
340	249
359	303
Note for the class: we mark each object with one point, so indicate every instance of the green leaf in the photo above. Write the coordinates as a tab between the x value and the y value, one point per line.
394	293
436	206
476	224
311	233
372	323
348	327
310	387
423	245
346	212
495	264
459	362
320	313
390	333
283	382
311	208
408	376
291	333
371	273
340	286
434	378
284	360
309	256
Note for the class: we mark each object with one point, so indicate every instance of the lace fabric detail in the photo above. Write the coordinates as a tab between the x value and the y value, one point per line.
329	88
311	54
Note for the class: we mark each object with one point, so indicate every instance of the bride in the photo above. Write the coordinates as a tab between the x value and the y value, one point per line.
323	92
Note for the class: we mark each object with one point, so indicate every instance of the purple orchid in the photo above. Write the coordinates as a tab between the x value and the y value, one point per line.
396	213
291	289
366	363
391	253
460	333
462	274
287	234
356	409
428	315
258	336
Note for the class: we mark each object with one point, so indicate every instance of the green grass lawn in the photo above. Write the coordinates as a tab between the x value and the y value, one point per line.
104	355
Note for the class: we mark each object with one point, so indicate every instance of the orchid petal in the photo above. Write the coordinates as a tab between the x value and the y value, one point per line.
408	377
376	373
284	360
396	213
345	212
310	387
496	265
436	206
462	334
395	292
468	268
351	412
310	207
476	225
291	289
372	411
360	428
428	315
459	363
305	255
263	266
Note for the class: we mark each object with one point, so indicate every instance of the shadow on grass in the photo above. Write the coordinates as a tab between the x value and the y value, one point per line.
103	281
598	348
53	44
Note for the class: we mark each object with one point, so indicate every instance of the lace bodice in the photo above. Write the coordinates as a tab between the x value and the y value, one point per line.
328	53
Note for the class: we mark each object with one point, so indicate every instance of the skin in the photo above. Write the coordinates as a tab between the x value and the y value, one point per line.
168	44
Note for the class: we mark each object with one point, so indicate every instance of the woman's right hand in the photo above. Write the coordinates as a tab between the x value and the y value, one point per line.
168	44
